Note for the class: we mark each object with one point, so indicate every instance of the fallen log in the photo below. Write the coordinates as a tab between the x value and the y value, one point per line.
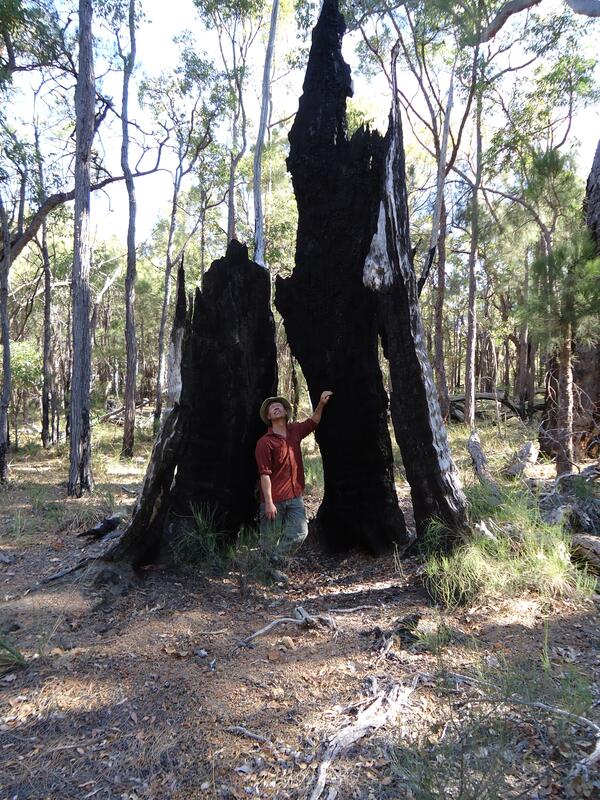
497	397
115	413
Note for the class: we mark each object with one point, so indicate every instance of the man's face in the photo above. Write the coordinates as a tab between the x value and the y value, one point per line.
276	411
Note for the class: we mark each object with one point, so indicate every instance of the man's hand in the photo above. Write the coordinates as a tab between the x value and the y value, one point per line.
270	510
323	400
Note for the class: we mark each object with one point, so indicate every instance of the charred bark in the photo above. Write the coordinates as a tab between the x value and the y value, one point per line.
418	426
204	454
329	315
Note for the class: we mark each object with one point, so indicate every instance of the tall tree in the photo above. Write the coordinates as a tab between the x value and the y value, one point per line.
128	59
237	23
80	469
259	232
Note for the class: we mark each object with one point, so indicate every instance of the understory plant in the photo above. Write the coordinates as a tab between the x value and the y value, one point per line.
511	550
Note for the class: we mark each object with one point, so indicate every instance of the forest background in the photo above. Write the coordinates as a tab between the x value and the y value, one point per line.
190	116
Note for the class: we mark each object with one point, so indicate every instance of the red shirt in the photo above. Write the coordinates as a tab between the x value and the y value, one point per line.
280	458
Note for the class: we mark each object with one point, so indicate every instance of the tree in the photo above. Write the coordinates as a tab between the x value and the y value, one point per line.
237	23
259	237
128	60
80	470
587	8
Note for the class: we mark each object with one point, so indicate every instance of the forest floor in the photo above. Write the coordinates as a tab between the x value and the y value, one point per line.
132	691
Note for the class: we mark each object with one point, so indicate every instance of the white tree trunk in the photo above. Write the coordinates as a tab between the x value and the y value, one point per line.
259	231
80	472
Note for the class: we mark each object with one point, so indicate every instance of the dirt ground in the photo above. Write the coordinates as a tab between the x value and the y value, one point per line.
134	690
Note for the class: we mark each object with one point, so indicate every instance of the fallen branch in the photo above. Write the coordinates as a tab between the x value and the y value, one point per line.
115	412
302	618
241	731
383	709
353	609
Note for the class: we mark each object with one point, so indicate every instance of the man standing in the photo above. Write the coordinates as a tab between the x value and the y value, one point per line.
281	471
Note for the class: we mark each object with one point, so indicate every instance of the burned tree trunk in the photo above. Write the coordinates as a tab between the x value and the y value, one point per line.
203	458
418	425
329	315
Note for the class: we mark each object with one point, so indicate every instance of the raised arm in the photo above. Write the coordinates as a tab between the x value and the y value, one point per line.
324	399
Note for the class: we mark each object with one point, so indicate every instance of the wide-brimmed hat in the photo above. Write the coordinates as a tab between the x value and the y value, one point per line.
265	406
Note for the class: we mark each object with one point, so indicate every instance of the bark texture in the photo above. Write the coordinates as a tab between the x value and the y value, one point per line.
592	199
228	367
418	426
204	452
330	316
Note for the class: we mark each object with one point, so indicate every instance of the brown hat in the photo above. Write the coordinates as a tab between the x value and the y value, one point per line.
265	407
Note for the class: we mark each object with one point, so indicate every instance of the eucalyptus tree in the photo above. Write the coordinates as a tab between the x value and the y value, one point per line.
188	104
259	235
80	469
236	24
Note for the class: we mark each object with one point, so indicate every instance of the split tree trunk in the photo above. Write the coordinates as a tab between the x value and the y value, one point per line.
203	458
330	317
80	472
420	432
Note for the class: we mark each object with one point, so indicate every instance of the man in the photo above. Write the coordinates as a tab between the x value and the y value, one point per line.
279	461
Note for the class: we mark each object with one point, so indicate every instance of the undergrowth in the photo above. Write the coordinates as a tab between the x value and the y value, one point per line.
493	731
511	550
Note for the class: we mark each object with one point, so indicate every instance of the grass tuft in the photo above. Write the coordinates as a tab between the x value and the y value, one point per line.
519	552
10	656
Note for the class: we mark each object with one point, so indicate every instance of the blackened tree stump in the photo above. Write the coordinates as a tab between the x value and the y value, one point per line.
203	457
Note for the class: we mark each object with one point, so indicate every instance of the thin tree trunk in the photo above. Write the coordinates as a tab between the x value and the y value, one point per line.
80	472
5	331
130	332
259	232
47	347
523	382
564	453
472	309
233	162
160	378
439	365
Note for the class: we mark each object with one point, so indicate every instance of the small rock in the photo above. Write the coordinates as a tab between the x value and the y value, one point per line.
6	558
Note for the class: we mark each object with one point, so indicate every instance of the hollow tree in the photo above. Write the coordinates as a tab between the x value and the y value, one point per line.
339	299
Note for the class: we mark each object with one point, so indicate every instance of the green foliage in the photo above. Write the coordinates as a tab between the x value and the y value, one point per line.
10	656
568	288
26	365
